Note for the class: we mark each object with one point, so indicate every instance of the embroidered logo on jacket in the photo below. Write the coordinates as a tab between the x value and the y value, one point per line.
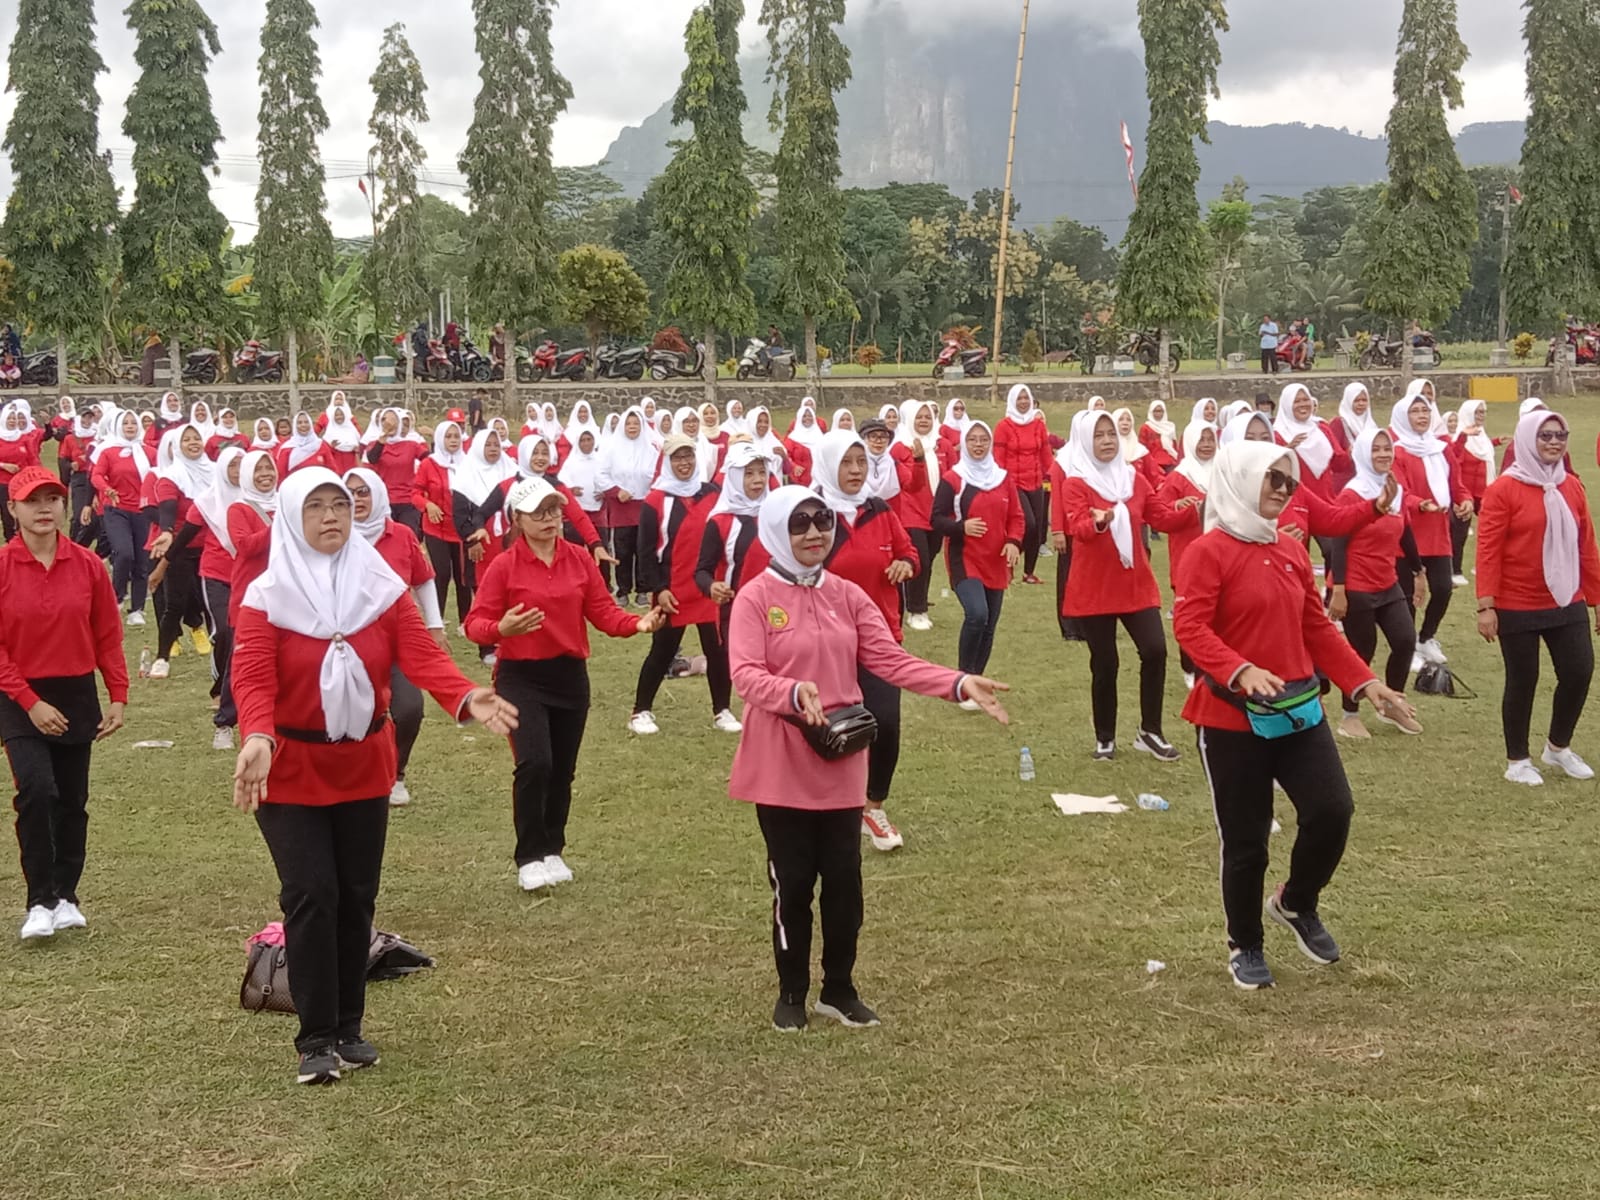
777	618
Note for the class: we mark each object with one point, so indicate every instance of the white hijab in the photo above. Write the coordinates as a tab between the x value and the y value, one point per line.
302	445
1191	468
579	473
208	427
477	477
806	435
1165	429
263	502
1233	504
1480	445
171	408
1132	448
378	519
341	432
576	428
982	473
836	444
767	443
450	462
7	434
215	501
257	442
772	526
1239	425
951	422
114	440
329	597
905	434
1355	424
629	464
1317	450
1112	481
1425	446
741	458
1012	397
736	424
1562	574
375	425
191	476
839	413
1368	484
1199	412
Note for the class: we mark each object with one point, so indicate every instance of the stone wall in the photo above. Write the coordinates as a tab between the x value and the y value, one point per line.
862	395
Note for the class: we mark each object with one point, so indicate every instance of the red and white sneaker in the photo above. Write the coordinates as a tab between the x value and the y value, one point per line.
876	825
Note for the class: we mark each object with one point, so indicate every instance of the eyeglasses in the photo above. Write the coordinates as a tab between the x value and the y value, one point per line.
317	508
1552	435
820	519
1282	481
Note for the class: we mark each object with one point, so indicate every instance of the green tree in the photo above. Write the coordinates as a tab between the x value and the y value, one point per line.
1228	228
511	180
1422	234
173	236
1081	247
63	206
293	246
586	207
399	276
707	202
808	66
1163	277
1554	268
603	292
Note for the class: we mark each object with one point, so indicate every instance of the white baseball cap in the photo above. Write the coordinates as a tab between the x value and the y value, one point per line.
529	495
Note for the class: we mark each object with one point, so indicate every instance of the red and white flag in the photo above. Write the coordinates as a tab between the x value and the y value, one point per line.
1127	147
1516	195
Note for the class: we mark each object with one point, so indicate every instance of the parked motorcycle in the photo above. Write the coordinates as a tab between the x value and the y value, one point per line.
38	368
1585	343
1289	353
550	361
674	364
471	364
256	363
616	361
1144	347
202	365
779	364
974	362
1381	352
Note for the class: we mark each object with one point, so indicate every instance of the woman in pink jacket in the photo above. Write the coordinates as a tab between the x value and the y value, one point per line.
796	638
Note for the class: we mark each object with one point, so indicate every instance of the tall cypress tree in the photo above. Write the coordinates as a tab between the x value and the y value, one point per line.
172	238
400	104
293	242
1554	267
63	206
707	201
1422	235
1164	277
510	176
809	64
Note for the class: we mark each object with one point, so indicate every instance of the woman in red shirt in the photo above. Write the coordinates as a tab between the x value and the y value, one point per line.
1179	507
1101	505
207	515
628	464
49	711
804	438
1366	594
872	550
672	522
341	436
1250	614
1473	450
730	550
1424	467
535	602
20	442
301	449
250	528
393	457
184	473
916	450
977	512
227	434
1159	436
434	486
318	636
1537	570
1022	448
120	468
1296	427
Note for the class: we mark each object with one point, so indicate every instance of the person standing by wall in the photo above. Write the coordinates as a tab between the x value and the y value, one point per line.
1269	346
1022	448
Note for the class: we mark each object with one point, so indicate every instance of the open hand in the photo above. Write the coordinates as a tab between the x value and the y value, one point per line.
1385	500
250	774
899	571
982	691
159	547
1388	702
111	722
1010	553
1262	684
518	621
602	555
974	527
493	713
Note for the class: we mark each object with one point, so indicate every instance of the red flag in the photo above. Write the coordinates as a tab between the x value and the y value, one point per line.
1127	146
362	184
1516	196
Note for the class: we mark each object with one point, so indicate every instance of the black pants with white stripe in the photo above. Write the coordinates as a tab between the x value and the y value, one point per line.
1240	768
802	846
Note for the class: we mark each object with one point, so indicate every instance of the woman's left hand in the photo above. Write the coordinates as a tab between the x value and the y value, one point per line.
490	711
982	692
899	571
250	774
111	722
1388	702
652	621
602	555
1010	554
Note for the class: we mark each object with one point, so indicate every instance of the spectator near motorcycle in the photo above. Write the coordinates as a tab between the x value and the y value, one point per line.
1269	345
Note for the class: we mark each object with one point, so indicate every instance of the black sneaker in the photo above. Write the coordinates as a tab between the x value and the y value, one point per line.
1316	943
318	1067
789	1014
1156	746
1249	970
640	600
849	1012
356	1053
1105	751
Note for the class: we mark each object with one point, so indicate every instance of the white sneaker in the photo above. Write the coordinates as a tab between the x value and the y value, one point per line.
489	660
160	669
1417	662
1459	581
39	923
222	739
556	869
533	876
1431	652
920	622
399	795
136	619
643	723
968	706
1523	771
1188	681
1568	761
727	722
68	916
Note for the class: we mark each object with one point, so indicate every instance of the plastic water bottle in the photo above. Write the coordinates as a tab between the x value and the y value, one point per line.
1152	803
1027	765
144	663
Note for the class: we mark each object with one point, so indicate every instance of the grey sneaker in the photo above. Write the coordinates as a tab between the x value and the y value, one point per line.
849	1012
319	1067
1249	970
789	1014
1316	943
355	1053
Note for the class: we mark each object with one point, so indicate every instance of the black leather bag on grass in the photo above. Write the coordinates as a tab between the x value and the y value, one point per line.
848	731
266	973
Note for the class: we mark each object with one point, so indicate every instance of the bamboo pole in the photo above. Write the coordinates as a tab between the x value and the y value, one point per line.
1005	210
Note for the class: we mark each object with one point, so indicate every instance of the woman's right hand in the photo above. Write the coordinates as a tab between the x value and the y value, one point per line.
1058	542
47	718
721	593
1340	604
518	621
1489	624
810	701
435	513
624	497
159	547
974	527
250	774
1254	681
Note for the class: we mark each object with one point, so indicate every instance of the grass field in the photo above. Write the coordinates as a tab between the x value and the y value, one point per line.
611	1039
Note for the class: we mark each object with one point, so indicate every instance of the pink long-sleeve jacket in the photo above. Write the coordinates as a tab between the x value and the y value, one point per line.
781	635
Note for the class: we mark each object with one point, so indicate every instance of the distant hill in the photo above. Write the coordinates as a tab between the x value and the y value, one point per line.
935	109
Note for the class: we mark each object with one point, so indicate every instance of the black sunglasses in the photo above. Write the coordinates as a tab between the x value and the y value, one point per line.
820	519
1282	481
1552	435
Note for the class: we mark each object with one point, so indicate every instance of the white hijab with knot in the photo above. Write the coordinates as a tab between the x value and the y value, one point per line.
1560	550
329	597
1233	504
1425	446
1112	481
1316	451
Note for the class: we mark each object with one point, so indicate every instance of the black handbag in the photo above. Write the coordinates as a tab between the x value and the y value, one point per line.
848	731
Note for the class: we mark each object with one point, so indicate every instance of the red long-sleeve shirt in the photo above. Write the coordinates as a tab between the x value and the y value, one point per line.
673	568
979	558
570	592
252	539
24	452
432	486
215	561
1160	457
1340	467
1431	529
275	675
396	464
914	502
1243	604
63	621
1183	528
321	457
863	552
1474	472
1511	528
1024	452
117	472
218	442
399	547
1099	583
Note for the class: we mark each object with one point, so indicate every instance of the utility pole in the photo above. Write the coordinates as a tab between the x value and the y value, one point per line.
372	257
1505	257
1005	208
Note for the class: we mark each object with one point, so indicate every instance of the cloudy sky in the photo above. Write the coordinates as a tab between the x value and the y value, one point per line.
1281	62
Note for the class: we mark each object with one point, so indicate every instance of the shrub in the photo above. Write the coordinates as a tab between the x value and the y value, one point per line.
1031	350
823	352
730	367
1363	340
869	356
1522	346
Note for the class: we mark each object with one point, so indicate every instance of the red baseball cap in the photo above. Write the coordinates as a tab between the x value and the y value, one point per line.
30	479
456	415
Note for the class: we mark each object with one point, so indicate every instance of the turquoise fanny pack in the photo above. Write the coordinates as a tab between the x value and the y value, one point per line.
1294	710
